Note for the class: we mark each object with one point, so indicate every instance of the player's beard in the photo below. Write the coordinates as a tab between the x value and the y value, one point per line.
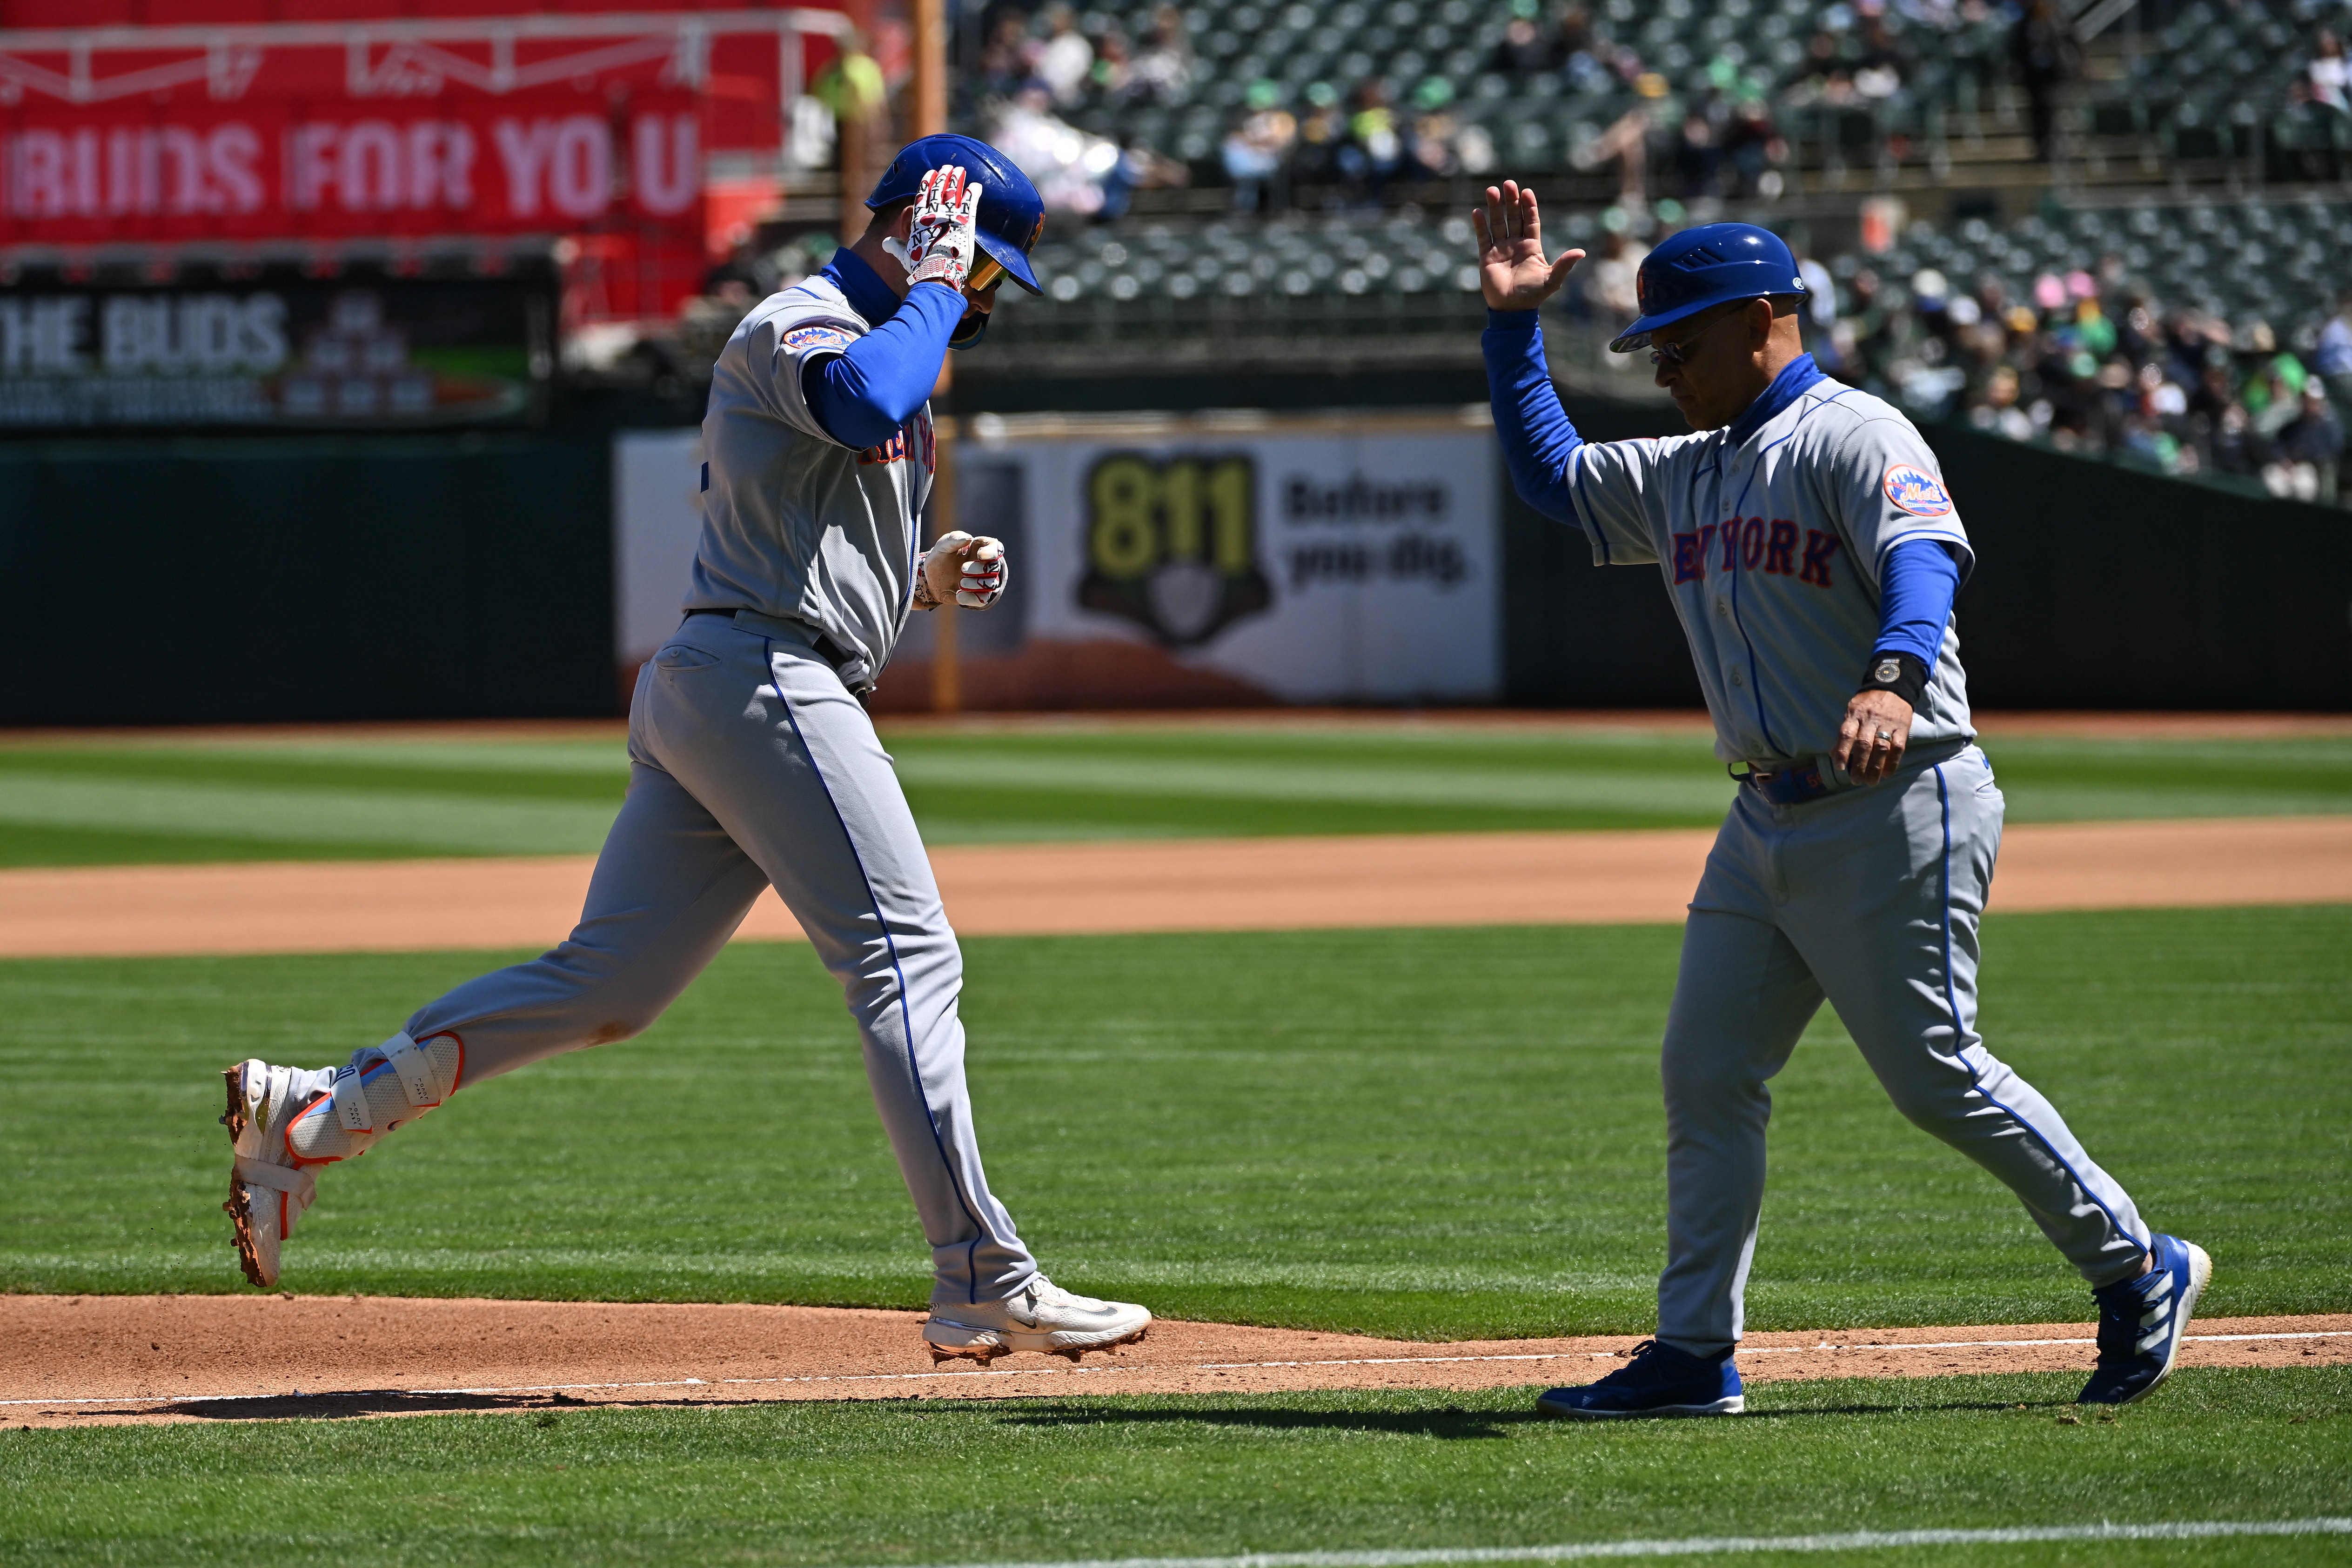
969	330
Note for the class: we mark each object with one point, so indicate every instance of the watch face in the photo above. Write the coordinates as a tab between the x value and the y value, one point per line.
1888	670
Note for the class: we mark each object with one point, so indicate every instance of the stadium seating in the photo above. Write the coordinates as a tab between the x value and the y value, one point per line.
2277	262
2194	98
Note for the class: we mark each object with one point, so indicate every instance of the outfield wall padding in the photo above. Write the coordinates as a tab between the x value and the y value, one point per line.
197	581
282	579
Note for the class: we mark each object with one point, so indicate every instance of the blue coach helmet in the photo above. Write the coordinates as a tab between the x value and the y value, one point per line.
1710	265
1012	214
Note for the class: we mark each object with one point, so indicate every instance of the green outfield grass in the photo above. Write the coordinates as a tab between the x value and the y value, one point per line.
1425	1134
69	803
927	1482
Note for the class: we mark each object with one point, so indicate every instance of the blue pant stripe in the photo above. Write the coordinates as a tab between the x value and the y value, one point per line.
907	1019
1959	1030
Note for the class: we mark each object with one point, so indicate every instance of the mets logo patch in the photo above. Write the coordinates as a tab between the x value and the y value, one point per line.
802	339
1917	492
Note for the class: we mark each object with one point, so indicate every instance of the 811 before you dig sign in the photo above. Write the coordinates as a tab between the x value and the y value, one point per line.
1323	561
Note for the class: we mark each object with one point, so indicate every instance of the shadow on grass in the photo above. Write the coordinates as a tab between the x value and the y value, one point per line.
391	1402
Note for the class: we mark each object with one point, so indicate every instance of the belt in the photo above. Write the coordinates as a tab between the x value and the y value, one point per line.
1790	786
1802	782
823	646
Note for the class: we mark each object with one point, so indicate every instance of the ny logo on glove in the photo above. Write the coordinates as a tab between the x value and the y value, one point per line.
938	249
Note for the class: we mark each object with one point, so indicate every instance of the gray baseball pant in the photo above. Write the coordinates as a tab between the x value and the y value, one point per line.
1869	897
751	765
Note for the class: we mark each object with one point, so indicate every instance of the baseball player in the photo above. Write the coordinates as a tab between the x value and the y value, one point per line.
753	764
1811	552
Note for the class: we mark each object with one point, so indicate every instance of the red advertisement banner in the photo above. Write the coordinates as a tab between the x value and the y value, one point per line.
336	169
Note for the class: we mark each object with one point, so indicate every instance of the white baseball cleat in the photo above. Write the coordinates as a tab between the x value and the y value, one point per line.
267	1191
285	1122
1040	1315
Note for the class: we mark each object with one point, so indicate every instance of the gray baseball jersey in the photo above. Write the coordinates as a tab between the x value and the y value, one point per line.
794	524
752	765
1771	535
1771	546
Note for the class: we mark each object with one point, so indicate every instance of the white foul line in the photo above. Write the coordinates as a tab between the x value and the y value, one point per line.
1073	1372
1706	1545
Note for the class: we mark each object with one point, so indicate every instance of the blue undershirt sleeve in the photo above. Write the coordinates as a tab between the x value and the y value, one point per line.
1914	604
1537	440
863	394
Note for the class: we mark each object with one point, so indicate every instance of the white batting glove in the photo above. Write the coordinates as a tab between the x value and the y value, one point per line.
975	573
940	246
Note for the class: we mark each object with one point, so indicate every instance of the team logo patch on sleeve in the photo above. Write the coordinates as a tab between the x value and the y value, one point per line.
1917	492
801	340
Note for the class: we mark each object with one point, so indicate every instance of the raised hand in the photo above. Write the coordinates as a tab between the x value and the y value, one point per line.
1512	271
939	246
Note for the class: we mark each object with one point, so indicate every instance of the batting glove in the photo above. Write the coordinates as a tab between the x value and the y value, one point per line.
973	572
938	249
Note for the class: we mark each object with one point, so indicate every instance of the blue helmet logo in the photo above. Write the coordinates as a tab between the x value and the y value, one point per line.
1012	214
1710	265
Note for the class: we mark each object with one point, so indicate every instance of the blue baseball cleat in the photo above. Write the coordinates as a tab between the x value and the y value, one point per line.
1659	1381
2141	1321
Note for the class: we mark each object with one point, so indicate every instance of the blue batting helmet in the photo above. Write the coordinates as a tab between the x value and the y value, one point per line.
1710	265
1012	214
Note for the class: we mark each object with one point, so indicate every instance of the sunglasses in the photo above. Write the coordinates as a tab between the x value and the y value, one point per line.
987	272
1679	353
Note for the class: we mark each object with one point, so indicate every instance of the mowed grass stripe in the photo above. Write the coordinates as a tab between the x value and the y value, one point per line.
373	795
1431	1134
1280	1476
427	823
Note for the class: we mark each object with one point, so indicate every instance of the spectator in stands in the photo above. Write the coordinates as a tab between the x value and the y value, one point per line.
1431	149
1256	151
1627	139
1065	60
1755	150
1374	149
2333	358
1138	168
2308	447
1588	61
1524	50
1113	76
2043	49
1321	134
1697	154
1163	68
1997	409
1610	286
2235	446
1880	66
1822	78
2329	74
1005	61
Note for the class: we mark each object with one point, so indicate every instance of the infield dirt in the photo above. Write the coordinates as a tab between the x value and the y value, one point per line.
1180	884
87	1360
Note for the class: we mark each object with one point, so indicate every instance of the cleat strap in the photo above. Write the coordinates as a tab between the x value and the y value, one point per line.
350	1100
418	1081
302	1184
